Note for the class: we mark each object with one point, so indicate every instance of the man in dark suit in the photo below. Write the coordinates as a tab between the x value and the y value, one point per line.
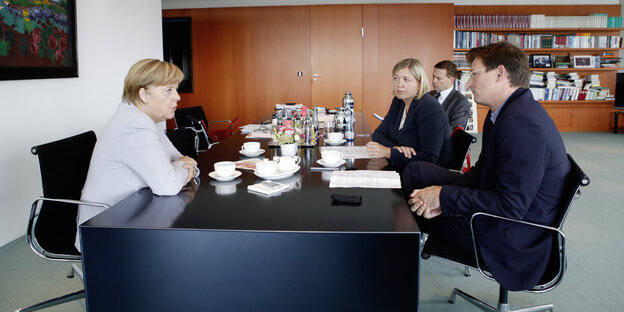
520	174
455	104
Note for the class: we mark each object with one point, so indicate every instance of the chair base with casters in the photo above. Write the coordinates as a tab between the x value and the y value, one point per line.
557	263
502	306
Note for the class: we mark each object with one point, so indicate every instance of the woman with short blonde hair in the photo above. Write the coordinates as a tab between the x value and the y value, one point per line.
133	151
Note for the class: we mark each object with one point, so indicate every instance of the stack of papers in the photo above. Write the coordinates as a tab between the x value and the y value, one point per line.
365	179
282	106
257	131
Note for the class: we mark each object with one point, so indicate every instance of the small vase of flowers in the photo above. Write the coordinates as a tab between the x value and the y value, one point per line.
287	137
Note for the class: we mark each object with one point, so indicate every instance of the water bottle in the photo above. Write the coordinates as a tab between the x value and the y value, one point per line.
347	101
349	134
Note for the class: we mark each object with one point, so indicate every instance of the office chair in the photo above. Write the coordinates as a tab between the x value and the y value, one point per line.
557	262
221	134
461	144
51	228
184	141
194	117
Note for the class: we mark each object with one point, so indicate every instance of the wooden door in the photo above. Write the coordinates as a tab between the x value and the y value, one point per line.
287	53
336	54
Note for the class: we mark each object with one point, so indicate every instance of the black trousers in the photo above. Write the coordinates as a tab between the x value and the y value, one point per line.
449	236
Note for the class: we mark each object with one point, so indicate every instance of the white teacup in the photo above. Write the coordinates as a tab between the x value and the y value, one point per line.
335	136
287	163
224	168
251	147
266	167
331	157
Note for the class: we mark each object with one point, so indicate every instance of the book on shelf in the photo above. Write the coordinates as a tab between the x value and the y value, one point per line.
597	20
566	87
471	39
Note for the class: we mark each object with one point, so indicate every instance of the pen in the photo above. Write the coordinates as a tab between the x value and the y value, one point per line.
361	134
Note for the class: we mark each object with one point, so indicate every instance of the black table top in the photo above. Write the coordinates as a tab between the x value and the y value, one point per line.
307	206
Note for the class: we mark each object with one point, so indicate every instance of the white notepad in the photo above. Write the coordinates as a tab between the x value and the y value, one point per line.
268	187
365	179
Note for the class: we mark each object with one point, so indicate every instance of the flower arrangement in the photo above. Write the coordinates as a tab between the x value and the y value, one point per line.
287	134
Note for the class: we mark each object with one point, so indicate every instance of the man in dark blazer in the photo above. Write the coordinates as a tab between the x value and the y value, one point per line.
454	104
520	174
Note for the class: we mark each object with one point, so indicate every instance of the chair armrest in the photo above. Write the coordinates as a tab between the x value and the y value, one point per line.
32	221
488	215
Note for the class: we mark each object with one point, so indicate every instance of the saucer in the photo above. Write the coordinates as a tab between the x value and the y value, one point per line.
330	165
339	142
234	175
252	154
277	175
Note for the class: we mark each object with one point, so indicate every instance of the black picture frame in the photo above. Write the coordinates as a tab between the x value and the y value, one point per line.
177	48
38	41
541	61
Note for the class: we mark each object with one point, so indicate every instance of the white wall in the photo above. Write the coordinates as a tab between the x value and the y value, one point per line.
184	4
112	35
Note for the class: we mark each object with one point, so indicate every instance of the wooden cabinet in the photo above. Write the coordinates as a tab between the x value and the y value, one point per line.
568	115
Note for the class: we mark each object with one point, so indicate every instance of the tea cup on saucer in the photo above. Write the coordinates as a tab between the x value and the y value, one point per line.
287	163
251	147
331	157
224	168
335	136
266	167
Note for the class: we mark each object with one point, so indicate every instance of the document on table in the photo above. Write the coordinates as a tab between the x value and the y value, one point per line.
365	179
355	152
257	131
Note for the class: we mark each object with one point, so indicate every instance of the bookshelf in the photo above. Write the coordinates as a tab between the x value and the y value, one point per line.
591	115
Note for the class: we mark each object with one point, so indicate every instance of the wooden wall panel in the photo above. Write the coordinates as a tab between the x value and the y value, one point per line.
228	62
336	54
421	31
287	51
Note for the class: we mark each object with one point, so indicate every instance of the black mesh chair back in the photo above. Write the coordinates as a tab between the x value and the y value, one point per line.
184	141
182	119
461	144
193	118
557	265
64	165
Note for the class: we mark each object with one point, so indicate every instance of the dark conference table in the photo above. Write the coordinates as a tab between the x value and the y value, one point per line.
225	249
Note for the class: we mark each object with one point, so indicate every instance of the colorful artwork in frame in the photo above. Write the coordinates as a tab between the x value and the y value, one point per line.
37	39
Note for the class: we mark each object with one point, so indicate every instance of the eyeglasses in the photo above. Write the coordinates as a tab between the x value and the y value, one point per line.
474	73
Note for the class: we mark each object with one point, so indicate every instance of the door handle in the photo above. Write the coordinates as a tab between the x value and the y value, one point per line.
315	77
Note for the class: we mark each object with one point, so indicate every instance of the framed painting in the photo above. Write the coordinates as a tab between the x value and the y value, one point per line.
37	39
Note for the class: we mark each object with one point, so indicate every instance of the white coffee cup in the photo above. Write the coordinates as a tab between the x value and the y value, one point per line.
266	167
287	163
331	157
335	136
251	147
224	168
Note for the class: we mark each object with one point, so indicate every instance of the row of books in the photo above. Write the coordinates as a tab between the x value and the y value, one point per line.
471	39
459	58
570	94
598	20
556	87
